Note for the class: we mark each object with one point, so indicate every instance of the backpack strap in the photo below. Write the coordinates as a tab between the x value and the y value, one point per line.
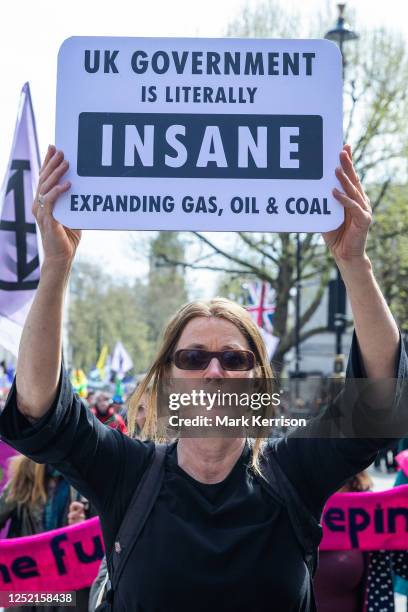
137	514
307	530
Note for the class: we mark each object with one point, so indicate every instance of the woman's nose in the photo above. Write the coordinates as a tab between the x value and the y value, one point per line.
214	369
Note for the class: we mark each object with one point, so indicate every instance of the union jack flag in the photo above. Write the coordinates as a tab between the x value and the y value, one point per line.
261	304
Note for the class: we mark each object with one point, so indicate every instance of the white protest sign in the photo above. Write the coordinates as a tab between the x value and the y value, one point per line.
200	134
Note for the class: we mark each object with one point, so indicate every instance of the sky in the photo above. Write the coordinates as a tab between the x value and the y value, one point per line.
32	32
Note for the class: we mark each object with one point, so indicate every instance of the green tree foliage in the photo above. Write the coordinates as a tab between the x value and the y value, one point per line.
166	290
102	311
388	248
265	20
231	287
375	112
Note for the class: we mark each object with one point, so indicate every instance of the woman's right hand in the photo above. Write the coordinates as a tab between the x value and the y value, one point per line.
59	242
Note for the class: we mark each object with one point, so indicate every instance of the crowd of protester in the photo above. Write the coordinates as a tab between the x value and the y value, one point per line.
38	498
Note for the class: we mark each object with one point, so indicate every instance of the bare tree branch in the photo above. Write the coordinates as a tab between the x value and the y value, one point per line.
260	272
364	168
383	191
374	123
398	232
192	266
355	100
256	247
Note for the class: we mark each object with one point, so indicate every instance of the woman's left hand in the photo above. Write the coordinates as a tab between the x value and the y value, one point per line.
348	242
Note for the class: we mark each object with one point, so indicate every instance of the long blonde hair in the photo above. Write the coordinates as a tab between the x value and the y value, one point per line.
217	307
27	481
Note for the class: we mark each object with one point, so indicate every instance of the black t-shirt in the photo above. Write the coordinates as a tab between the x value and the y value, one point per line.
225	547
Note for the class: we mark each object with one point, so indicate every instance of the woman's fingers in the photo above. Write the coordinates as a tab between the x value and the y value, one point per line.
49	187
349	179
56	191
350	189
74	517
51	165
76	512
347	148
50	153
347	165
346	161
53	194
45	207
54	177
76	506
361	216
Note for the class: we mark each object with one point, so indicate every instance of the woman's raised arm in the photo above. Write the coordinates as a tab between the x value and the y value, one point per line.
376	330
39	359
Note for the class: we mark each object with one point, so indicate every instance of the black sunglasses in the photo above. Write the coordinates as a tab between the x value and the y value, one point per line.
198	359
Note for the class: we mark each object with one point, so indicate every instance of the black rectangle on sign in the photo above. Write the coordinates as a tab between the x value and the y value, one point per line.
200	146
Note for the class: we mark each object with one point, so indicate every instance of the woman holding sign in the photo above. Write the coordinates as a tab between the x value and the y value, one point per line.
225	524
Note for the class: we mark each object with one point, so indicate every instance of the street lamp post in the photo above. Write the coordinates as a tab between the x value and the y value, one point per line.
340	34
297	314
298	306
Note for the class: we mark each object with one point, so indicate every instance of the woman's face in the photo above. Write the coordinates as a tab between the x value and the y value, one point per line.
211	334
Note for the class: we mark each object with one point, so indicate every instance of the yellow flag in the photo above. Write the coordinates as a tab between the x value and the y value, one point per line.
102	361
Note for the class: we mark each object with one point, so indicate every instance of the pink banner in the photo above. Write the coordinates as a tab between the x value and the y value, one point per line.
68	559
64	559
369	521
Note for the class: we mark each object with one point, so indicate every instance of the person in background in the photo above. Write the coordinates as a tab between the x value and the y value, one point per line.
105	413
402	475
141	412
388	456
38	498
356	580
119	406
90	399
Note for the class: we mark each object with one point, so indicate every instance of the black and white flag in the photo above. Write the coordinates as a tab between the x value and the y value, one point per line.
19	249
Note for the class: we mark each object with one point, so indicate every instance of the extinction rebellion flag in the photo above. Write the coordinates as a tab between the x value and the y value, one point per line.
19	254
